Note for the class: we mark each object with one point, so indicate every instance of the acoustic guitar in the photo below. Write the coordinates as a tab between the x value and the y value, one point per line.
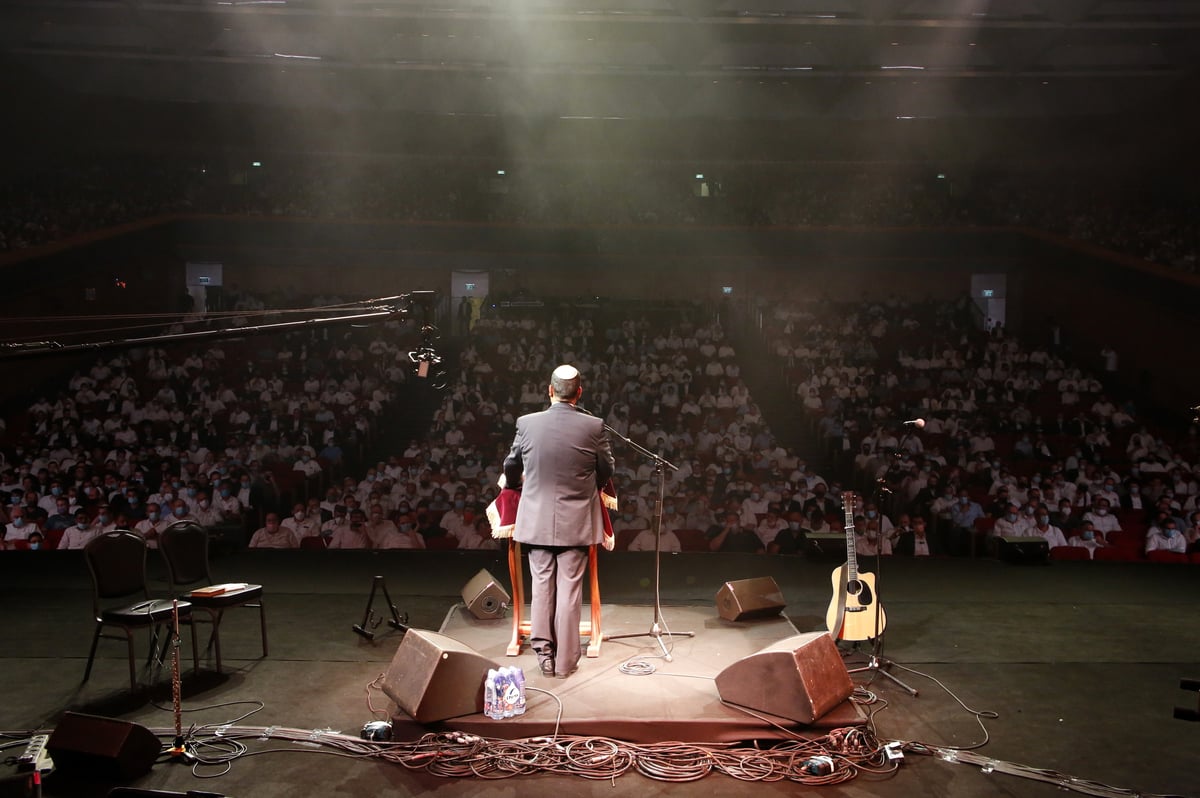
853	610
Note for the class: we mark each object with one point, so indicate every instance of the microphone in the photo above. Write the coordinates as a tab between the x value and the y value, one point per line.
919	423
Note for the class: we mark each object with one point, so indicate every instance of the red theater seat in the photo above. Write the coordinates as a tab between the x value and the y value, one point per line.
1115	554
1069	553
1166	556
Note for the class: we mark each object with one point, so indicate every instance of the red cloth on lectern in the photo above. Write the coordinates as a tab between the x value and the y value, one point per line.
502	512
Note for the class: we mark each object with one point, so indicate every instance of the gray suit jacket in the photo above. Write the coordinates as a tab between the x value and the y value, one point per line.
560	457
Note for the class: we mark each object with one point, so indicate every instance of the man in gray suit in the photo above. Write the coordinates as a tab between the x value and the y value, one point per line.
560	458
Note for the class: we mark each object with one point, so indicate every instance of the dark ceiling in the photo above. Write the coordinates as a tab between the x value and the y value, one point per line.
629	59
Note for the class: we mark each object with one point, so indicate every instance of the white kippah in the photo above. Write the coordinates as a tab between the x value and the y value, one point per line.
566	372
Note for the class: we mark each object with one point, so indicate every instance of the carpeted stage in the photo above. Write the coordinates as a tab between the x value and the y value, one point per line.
681	703
1081	661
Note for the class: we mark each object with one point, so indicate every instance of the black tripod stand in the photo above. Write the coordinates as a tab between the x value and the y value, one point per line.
656	625
876	662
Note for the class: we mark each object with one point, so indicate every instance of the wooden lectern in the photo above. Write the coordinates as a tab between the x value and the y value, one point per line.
520	625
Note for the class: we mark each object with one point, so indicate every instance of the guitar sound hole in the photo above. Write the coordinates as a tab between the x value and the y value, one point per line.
854	587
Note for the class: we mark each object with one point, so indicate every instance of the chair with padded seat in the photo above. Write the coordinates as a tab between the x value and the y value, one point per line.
117	562
184	547
1159	555
1069	553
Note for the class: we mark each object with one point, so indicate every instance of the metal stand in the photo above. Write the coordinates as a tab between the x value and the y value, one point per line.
877	663
371	621
656	625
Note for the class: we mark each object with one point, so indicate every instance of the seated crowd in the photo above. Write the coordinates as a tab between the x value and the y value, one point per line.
221	434
1016	442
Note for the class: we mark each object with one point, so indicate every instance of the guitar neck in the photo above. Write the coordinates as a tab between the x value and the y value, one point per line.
851	552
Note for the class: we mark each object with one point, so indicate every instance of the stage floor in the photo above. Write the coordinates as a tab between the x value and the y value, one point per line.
1081	661
680	703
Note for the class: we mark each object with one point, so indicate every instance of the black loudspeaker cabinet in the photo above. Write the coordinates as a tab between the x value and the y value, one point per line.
106	747
1023	551
484	597
800	678
434	677
746	599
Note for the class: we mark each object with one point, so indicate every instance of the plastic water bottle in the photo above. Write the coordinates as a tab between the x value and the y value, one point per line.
504	692
519	682
491	699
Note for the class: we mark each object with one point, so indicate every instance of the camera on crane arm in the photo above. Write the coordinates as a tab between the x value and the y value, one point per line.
425	358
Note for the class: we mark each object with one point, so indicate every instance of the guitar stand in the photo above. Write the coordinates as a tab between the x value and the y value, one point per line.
877	664
371	621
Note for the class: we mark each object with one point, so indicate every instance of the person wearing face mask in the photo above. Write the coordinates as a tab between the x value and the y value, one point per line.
429	528
36	542
628	522
753	506
963	516
347	531
179	511
1086	537
164	495
1104	522
480	536
301	524
1044	529
1192	533
454	520
1011	523
63	516
273	535
400	535
645	540
1164	535
792	537
18	527
869	539
770	526
307	465
340	517
228	504
152	525
913	541
80	533
821	501
208	515
49	501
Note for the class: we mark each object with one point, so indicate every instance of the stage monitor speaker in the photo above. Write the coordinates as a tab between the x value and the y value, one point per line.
1024	551
750	598
434	677
800	678
484	597
107	747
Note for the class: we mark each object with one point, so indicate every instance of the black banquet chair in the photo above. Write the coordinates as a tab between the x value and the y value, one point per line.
184	547
117	562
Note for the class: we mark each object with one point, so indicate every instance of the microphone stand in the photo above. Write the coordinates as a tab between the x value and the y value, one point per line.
657	624
877	663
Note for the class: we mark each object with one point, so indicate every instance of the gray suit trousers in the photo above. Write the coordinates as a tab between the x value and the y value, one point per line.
556	603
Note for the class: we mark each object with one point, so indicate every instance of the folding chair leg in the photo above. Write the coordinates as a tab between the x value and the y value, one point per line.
87	673
215	640
132	664
153	654
195	649
262	620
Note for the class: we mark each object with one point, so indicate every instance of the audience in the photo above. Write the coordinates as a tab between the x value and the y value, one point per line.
1019	441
